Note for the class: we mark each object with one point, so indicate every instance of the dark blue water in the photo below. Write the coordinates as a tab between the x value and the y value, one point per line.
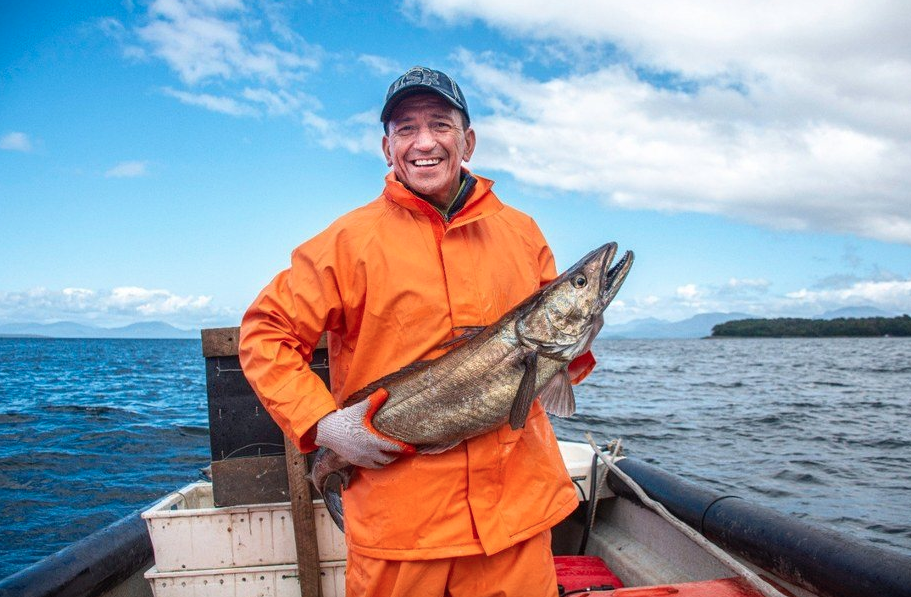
91	430
818	428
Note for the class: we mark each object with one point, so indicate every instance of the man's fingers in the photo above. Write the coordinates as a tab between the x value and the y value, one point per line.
380	460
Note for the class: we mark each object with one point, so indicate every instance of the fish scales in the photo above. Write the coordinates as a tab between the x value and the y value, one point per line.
457	398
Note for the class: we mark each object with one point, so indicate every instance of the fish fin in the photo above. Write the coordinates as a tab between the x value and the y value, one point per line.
557	396
526	392
468	332
437	448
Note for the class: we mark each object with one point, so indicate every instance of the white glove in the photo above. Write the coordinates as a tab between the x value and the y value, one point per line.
346	433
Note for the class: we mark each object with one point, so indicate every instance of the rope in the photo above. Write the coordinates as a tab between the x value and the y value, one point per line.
719	554
596	480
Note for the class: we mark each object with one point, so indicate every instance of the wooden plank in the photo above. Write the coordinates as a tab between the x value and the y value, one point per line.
223	342
304	523
220	342
259	480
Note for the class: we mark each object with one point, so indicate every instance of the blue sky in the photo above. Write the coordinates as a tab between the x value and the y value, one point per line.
159	160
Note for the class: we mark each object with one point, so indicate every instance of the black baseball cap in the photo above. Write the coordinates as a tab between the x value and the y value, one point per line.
420	79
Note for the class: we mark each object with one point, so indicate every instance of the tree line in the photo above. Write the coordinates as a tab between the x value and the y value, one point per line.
789	327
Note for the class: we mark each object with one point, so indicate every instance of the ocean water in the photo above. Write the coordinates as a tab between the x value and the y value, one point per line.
91	430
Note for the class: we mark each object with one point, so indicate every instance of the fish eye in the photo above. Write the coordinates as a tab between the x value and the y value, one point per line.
579	281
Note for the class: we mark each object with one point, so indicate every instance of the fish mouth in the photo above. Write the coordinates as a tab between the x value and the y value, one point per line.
612	278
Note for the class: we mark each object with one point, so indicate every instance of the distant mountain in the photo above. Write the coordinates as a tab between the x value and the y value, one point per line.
856	312
69	329
698	326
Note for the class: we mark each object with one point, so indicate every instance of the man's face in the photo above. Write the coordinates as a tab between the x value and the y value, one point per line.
426	145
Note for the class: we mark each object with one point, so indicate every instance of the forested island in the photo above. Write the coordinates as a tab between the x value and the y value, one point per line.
787	327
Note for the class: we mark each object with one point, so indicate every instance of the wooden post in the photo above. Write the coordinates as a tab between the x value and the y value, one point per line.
304	524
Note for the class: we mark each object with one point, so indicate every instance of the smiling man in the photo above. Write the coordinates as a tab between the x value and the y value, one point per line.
426	141
391	283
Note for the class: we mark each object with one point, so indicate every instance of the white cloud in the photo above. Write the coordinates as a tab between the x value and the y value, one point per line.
16	142
153	303
755	297
131	169
744	287
279	102
789	115
688	292
381	65
894	295
204	40
357	134
222	104
709	39
640	147
245	50
117	306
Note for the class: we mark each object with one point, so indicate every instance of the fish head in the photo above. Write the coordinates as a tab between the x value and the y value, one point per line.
563	317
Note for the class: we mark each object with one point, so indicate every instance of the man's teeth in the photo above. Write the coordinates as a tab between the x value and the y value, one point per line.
432	162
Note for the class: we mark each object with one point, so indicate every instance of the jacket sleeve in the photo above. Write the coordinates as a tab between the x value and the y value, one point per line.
278	334
582	365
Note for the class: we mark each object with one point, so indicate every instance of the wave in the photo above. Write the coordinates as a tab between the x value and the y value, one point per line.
192	430
94	409
14	418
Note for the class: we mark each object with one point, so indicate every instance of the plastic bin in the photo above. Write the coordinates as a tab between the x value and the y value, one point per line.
254	581
189	533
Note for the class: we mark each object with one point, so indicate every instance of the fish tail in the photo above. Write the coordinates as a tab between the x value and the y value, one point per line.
332	496
330	474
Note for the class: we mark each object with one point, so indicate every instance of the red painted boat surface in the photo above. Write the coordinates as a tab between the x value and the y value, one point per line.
584	572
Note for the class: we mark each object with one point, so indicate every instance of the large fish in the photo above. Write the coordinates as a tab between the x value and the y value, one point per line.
494	374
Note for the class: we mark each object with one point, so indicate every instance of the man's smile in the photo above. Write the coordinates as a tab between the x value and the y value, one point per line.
426	162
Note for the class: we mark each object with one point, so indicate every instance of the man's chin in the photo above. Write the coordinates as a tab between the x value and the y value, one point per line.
431	192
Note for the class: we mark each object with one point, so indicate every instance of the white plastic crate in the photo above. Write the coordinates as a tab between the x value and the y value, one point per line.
577	457
255	581
189	533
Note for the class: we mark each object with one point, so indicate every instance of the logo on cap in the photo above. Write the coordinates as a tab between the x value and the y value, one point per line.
417	76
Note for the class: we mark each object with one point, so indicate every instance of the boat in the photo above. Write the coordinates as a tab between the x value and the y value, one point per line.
639	531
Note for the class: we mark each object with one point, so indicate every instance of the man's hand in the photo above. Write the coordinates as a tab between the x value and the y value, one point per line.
348	433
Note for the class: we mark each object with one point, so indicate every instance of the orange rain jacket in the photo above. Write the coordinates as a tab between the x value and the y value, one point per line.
389	281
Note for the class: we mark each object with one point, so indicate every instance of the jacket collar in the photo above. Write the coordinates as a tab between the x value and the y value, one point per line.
479	203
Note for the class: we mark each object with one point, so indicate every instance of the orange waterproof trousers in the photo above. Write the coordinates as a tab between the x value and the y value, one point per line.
525	569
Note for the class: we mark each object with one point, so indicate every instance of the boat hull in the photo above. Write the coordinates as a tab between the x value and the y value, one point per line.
642	548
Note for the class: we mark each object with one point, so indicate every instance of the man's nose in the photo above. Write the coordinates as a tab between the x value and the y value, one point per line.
424	139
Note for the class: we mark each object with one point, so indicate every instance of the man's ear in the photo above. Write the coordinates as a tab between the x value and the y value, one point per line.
469	144
386	150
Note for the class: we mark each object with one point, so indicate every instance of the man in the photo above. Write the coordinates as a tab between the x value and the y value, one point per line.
390	283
